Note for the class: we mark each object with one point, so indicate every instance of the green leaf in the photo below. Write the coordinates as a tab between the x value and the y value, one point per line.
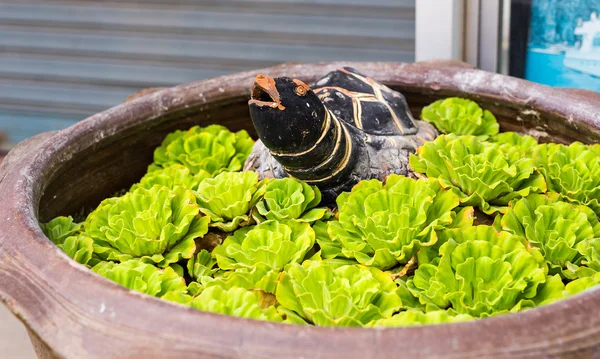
157	225
550	291
481	273
58	229
288	198
211	149
383	226
486	175
175	175
416	317
259	277
562	231
582	284
238	302
202	264
228	198
330	248
142	277
524	143
328	295
460	116
80	248
272	244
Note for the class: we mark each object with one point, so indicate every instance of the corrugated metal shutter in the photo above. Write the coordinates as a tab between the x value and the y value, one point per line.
61	61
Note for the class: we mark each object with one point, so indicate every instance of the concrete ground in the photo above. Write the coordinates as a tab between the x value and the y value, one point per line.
14	341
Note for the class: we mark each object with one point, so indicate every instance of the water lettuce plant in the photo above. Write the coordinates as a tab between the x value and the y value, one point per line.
508	141
483	174
461	117
481	272
272	244
417	317
142	277
209	150
156	225
288	198
66	234
175	175
383	225
227	198
237	301
324	294
197	231
564	232
572	171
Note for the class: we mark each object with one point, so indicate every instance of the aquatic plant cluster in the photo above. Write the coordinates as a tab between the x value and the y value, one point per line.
496	223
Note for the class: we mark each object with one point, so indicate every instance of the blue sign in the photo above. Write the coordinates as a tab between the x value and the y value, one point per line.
564	43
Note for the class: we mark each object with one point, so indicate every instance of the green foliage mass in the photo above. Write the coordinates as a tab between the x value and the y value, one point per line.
197	231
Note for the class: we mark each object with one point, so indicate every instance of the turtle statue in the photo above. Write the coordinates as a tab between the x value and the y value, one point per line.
347	128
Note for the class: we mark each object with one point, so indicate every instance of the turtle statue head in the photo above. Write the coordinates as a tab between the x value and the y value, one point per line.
287	115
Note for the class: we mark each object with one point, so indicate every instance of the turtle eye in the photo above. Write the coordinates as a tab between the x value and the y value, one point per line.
301	90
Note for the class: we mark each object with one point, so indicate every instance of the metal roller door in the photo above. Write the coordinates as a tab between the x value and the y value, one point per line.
61	61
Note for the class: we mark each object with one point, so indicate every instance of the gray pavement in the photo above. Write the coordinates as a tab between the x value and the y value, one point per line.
14	341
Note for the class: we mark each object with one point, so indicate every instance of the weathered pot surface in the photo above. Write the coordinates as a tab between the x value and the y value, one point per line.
74	313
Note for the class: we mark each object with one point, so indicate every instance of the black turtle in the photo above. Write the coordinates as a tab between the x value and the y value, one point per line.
346	129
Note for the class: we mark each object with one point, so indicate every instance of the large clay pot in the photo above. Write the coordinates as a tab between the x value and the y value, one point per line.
71	312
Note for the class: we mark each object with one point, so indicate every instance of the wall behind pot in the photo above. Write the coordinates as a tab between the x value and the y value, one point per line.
64	60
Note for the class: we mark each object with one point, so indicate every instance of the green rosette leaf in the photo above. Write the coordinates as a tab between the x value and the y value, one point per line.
238	302
416	317
481	273
323	294
330	248
228	198
175	175
562	231
60	228
460	116
483	174
202	264
288	198
572	171
80	248
524	143
271	243
142	277
156	225
259	277
582	284
210	149
385	225
550	291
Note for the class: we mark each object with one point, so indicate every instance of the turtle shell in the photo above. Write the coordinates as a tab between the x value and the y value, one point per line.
364	103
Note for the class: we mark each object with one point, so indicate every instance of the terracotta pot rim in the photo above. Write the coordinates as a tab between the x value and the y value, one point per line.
23	173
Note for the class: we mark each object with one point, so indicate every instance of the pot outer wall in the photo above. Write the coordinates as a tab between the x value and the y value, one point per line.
71	312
